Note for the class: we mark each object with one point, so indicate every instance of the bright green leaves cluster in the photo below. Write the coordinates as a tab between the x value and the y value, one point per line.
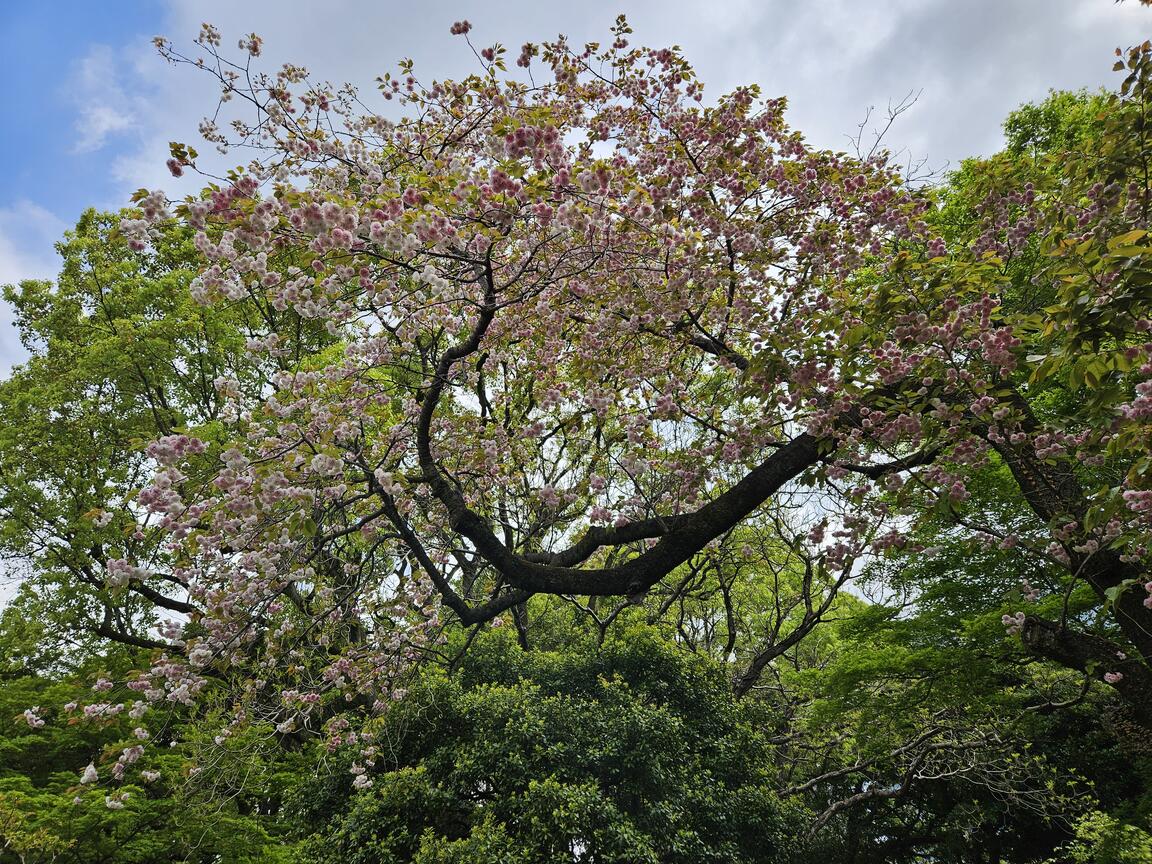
121	355
1102	839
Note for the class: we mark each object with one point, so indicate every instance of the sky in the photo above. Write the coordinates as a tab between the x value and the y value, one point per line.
90	107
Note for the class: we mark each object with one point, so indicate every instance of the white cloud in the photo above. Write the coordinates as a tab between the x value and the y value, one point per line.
103	105
1093	14
96	123
27	235
112	91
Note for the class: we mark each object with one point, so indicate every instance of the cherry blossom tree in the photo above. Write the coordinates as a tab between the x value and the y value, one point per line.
586	324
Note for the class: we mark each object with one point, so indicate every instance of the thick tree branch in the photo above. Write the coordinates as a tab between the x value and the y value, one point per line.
633	577
875	472
1095	656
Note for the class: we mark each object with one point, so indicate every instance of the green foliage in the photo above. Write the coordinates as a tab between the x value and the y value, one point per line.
1061	122
637	752
1101	839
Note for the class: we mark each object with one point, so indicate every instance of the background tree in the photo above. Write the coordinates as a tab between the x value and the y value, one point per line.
120	356
609	754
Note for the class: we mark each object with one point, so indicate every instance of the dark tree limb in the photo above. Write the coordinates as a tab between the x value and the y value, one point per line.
875	472
1095	656
636	575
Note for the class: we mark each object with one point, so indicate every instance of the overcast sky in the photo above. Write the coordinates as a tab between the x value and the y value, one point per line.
90	107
